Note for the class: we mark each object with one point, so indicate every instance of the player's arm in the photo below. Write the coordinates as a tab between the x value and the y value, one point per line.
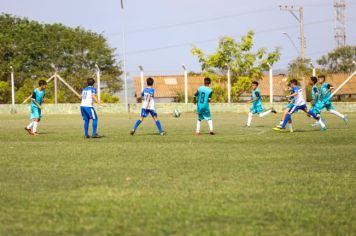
34	100
292	95
316	96
330	88
195	97
96	99
210	95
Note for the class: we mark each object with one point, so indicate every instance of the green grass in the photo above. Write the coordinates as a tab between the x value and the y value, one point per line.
243	181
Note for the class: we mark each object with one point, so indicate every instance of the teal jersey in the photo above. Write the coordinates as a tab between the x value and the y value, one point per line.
291	99
325	87
38	96
315	93
204	94
256	97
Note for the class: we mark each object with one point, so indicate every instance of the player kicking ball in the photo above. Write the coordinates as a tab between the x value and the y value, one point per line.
148	107
299	104
325	90
87	109
316	103
286	110
257	107
36	107
202	98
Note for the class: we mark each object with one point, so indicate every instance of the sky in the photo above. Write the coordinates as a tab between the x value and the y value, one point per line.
161	33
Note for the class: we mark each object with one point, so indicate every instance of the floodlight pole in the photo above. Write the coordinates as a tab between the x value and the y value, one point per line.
228	84
270	83
98	75
314	69
124	54
55	83
12	89
185	84
142	77
345	82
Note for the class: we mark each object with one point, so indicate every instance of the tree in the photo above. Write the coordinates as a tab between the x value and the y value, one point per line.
245	65
339	60
31	48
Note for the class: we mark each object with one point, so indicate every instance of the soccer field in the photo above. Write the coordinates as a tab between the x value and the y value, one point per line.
243	181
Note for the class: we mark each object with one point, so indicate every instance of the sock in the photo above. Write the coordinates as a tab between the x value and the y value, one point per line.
249	119
30	125
137	124
286	120
265	113
310	112
86	127
321	123
210	123
290	126
337	114
35	125
198	126
281	122
95	126
159	127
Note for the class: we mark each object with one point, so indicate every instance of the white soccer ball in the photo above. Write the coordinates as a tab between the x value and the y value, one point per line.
176	113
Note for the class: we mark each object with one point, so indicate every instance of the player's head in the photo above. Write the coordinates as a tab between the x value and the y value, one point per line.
313	80
149	81
207	81
90	81
321	78
42	84
294	82
254	85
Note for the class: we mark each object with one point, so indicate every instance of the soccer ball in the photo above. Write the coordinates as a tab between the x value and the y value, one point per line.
176	113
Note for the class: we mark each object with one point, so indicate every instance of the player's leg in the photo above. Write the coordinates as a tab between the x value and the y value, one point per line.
330	108
287	118
197	131
86	119
94	117
157	122
139	121
29	127
285	112
315	116
35	126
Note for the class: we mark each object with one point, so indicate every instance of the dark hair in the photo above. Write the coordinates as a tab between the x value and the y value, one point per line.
314	79
255	83
321	77
207	81
90	81
149	81
42	82
294	81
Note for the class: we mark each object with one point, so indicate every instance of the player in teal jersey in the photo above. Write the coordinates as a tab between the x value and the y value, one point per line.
325	93
36	107
288	107
202	98
257	107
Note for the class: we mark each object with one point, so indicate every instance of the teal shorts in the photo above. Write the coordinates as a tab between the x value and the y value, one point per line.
328	105
290	105
317	107
256	109
36	113
204	115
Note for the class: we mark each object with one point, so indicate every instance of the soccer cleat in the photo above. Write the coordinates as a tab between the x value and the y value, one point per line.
273	111
346	119
162	133
86	136
132	132
212	133
96	136
278	128
323	129
29	131
315	124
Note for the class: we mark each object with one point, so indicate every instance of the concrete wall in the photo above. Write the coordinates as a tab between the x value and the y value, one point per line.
161	108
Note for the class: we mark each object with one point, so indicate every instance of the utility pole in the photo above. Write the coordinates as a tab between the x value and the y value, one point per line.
339	23
300	18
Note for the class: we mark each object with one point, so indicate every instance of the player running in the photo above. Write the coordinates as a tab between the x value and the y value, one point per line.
286	110
202	98
257	107
148	107
87	109
316	104
299	104
325	90
36	107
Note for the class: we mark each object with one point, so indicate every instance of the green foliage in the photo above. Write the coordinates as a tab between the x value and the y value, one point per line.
246	65
108	98
5	92
339	60
31	48
299	68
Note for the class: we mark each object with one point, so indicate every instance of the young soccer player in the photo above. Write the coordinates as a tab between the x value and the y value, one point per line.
325	90
299	104
148	107
257	107
202	98
36	107
87	109
289	106
316	104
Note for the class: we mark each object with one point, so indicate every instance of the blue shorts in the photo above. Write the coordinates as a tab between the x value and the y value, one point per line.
88	113
146	112
204	114
36	113
295	109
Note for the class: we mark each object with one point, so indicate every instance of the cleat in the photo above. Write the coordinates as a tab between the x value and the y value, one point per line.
96	136
29	131
162	133
291	130
278	128
273	111
212	133
132	132
86	136
323	129
346	119
315	124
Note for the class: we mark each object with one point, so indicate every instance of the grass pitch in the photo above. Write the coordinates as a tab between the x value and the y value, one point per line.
243	181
